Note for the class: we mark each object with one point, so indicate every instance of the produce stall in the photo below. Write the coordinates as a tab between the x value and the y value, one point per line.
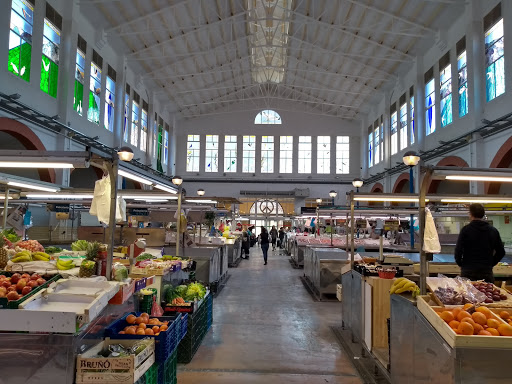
234	250
207	260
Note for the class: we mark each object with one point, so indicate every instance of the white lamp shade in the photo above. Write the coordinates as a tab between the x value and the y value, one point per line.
357	183
200	192
177	180
333	193
125	154
411	158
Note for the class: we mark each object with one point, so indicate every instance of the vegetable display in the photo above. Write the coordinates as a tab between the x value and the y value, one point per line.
184	293
144	256
52	250
11	235
31	245
79	245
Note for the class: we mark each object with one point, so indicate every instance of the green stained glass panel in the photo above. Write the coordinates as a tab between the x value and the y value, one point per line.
45	74
54	79
159	149
93	113
19	61
79	97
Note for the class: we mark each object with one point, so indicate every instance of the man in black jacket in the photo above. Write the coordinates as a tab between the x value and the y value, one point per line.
479	247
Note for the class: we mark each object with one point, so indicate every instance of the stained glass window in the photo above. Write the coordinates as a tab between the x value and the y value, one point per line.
446	95
305	149
154	145
463	84
323	154
267	116
230	153
93	113
126	115
50	58
342	154
134	134
286	154
166	147
110	97
160	144
267	154
394	133
430	102
20	38
193	152
370	149
144	128
79	82
403	126
376	137
494	61
249	154
411	108
212	154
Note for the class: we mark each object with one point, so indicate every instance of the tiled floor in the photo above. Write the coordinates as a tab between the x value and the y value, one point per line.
267	329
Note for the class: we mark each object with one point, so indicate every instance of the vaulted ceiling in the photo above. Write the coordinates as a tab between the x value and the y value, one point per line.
321	56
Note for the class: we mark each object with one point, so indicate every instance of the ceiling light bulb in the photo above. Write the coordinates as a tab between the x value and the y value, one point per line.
32	186
177	180
333	193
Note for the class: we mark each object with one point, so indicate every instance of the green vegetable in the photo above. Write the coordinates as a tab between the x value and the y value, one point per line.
11	235
53	249
195	291
79	245
144	256
121	273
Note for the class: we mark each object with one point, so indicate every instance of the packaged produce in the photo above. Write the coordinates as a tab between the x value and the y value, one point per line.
119	272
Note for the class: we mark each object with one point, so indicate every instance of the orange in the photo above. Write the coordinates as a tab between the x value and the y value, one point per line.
505	315
130	319
467	306
454	324
493	323
142	325
486	311
479	318
462	314
144	314
468	320
139	320
155	329
130	331
149	332
156	334
465	328
447	316
456	311
163	328
478	328
493	331
485	333
505	330
140	331
122	332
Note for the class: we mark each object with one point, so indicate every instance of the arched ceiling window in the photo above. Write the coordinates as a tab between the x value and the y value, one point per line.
267	116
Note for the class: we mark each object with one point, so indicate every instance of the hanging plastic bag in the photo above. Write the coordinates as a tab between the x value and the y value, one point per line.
430	238
121	210
156	310
100	205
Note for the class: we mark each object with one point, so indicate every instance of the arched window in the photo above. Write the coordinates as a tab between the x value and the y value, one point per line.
267	116
267	207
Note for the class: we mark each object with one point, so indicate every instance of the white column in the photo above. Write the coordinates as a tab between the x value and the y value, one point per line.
257	156
37	43
364	150
314	155
419	107
150	133
119	105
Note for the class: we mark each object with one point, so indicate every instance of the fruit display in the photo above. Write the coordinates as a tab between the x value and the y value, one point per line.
456	291
474	320
4	257
10	236
40	256
79	245
88	266
22	257
15	287
492	292
402	285
64	265
143	325
31	245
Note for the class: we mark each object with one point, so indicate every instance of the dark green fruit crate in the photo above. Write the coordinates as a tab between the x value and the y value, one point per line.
5	304
167	371
150	377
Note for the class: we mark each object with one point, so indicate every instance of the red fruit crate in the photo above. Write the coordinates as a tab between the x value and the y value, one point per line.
124	293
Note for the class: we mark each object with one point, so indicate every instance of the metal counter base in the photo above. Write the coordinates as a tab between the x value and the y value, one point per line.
420	355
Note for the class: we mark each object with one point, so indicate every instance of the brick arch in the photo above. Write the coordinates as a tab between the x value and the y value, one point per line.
399	183
29	140
448	161
377	188
503	159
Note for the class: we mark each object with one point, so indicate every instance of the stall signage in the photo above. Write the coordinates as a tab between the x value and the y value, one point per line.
64	208
307	210
139	212
220	214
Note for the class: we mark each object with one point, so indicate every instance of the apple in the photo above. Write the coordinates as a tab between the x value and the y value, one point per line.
3	289
32	284
3	277
3	294
15	278
40	281
34	276
13	296
25	276
6	283
26	290
11	289
21	284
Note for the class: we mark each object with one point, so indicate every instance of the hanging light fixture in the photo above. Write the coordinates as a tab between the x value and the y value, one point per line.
177	180
125	154
201	192
357	183
333	194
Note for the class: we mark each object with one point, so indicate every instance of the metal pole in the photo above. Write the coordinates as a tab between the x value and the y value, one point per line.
317	226
6	208
411	190
178	222
357	190
423	256
346	232
352	225
331	228
112	172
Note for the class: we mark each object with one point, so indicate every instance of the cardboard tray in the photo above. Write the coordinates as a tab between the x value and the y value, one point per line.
85	287
114	369
459	341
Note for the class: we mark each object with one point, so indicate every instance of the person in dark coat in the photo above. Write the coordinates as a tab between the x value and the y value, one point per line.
273	235
281	237
264	242
479	247
246	244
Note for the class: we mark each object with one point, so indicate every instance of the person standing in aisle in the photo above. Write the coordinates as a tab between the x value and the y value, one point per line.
264	243
273	235
479	247
281	237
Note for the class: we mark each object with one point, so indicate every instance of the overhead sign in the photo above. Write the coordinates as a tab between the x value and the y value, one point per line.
64	208
139	212
307	210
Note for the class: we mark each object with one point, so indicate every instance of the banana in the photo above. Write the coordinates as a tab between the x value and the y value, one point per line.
62	267
396	287
42	254
21	259
65	262
410	286
395	284
40	257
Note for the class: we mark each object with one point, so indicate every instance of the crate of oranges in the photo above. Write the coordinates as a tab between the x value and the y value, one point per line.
468	325
140	325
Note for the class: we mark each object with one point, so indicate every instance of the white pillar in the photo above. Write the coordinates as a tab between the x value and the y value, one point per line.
37	43
119	104
419	101
172	156
476	57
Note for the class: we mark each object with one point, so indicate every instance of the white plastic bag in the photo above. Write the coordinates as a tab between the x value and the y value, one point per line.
100	205
430	238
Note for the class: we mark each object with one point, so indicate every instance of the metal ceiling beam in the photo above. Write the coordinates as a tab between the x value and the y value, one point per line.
196	30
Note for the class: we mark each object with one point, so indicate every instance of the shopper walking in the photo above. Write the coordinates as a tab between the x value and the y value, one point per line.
281	237
273	235
479	247
264	243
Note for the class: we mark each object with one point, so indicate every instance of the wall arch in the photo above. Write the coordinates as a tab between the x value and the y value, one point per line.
448	161
29	140
503	159
377	188
400	182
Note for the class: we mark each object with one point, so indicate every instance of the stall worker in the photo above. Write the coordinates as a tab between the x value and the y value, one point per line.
479	247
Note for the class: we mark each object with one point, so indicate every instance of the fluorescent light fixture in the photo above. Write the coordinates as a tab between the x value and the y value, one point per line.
22	164
201	201
149	197
134	177
32	186
388	198
152	200
2	197
477	200
165	188
58	196
479	178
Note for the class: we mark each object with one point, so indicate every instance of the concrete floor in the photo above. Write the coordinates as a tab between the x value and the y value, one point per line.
267	329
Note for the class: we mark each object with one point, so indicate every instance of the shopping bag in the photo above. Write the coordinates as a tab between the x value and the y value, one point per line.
430	238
